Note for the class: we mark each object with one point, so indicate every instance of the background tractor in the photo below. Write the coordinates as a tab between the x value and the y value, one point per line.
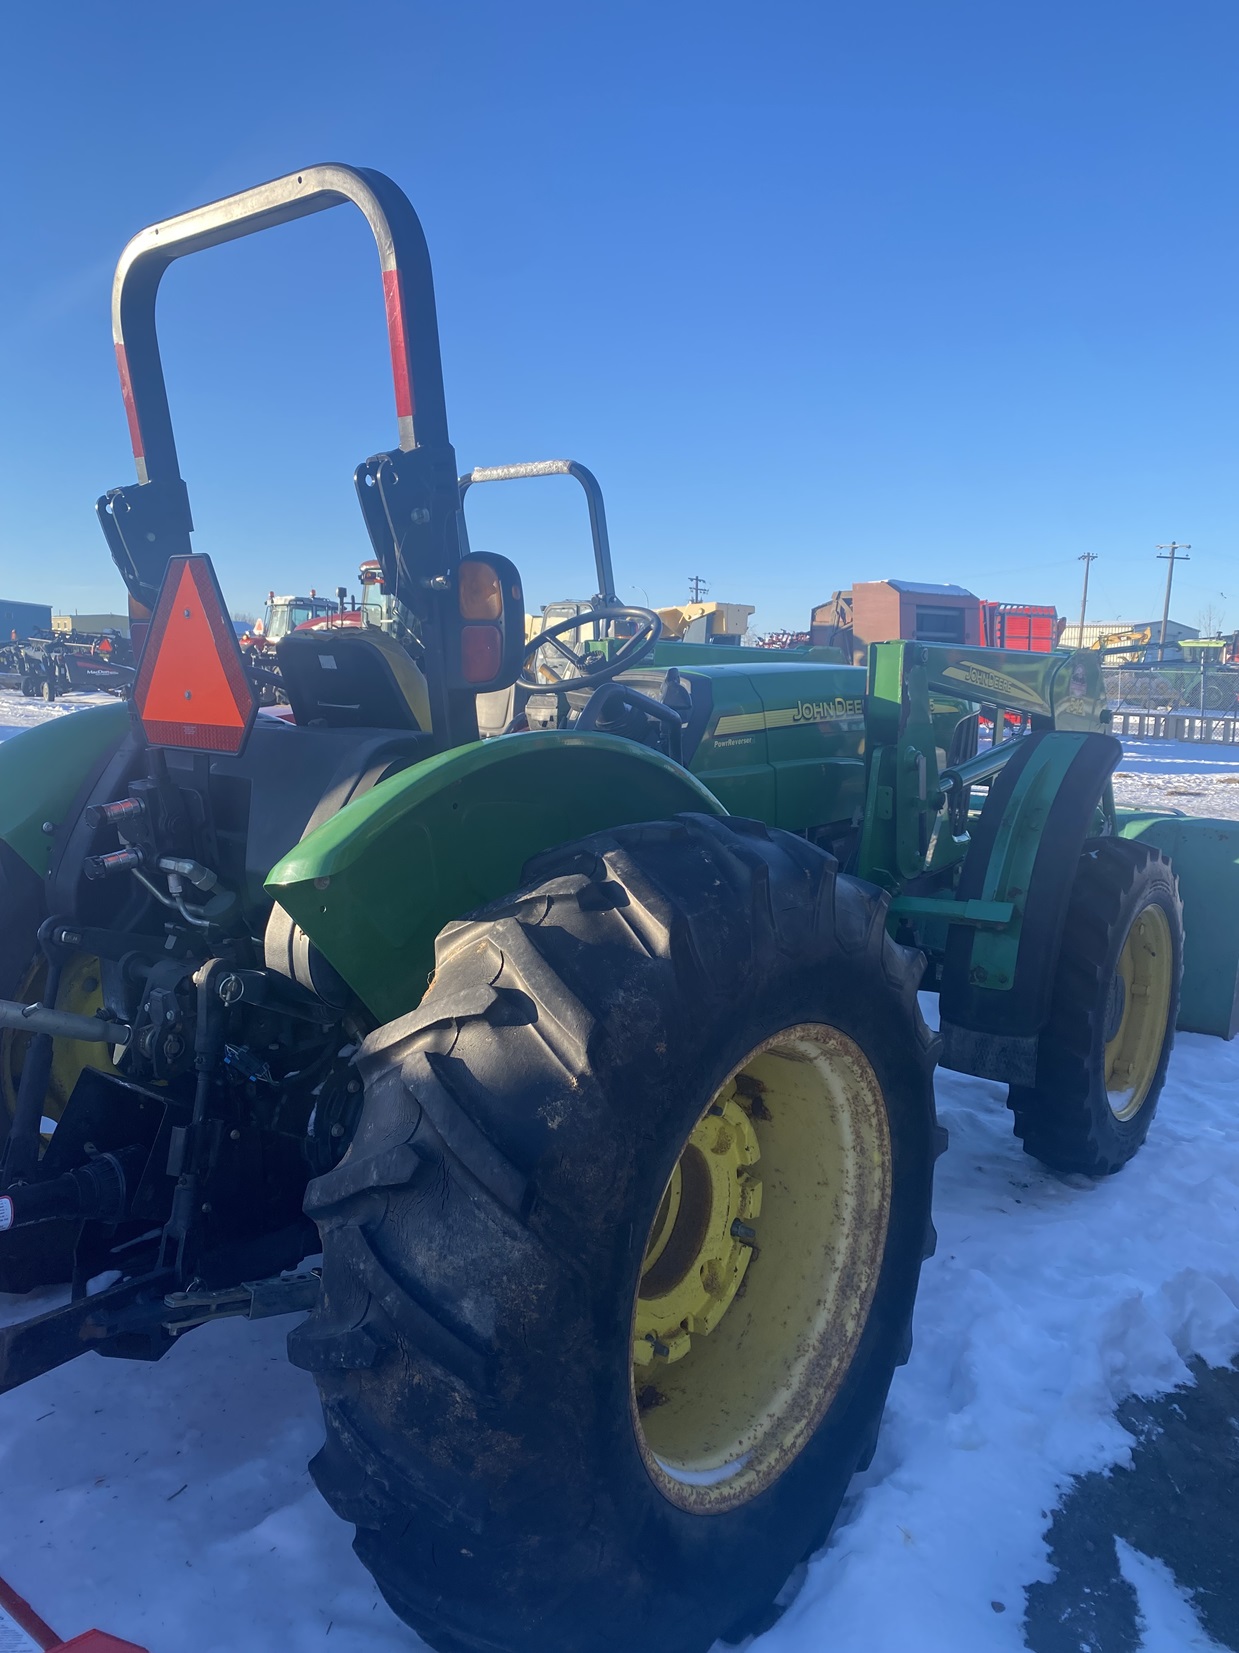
589	1055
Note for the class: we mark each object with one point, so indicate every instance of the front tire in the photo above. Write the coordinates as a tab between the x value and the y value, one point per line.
1102	1057
573	1397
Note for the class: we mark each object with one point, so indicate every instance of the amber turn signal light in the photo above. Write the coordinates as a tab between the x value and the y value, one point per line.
479	591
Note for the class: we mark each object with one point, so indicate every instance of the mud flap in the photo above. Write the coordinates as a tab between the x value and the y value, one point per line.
1205	857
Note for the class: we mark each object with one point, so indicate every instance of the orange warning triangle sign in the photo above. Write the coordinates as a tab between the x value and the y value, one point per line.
192	689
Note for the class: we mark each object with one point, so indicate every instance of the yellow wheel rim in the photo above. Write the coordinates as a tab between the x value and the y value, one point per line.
80	992
1137	1011
760	1268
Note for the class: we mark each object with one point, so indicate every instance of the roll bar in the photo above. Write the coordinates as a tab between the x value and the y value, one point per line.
147	525
593	496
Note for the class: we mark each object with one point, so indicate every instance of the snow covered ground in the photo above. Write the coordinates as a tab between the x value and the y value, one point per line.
170	1503
17	712
1179	774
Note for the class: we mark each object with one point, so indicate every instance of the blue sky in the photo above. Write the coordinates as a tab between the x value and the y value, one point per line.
940	289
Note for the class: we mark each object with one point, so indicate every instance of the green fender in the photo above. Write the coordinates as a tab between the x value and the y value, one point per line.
994	994
373	886
42	770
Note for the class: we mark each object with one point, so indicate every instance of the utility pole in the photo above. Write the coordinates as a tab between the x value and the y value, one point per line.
1088	558
697	588
1167	554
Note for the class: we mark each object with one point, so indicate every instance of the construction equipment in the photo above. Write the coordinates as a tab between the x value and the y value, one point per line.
598	1081
1128	645
1206	683
712	622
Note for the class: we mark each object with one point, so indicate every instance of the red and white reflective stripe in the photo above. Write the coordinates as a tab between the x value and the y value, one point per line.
398	339
131	409
6	1212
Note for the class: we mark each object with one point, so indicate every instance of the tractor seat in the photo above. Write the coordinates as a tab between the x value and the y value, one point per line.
352	677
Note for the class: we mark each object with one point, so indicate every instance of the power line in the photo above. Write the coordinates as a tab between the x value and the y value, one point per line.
1167	554
1088	558
697	587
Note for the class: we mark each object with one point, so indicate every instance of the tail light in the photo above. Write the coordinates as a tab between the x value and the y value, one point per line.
490	605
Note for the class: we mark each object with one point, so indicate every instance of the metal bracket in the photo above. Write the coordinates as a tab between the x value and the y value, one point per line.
982	915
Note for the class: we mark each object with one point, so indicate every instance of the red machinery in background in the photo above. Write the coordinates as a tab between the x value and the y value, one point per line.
1032	626
880	611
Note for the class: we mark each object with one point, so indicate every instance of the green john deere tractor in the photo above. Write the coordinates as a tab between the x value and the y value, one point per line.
589	1055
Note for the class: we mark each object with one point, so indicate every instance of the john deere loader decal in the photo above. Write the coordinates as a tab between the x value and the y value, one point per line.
985	680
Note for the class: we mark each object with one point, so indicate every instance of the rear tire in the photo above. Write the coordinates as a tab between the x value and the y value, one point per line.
485	1240
1101	1059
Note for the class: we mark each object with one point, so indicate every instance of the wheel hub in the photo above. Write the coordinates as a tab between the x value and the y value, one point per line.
1137	1011
701	1244
734	1365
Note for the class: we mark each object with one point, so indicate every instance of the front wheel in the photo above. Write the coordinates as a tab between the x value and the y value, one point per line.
623	1255
1102	1057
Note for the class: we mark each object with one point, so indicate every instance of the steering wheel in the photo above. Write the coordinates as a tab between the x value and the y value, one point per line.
592	668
